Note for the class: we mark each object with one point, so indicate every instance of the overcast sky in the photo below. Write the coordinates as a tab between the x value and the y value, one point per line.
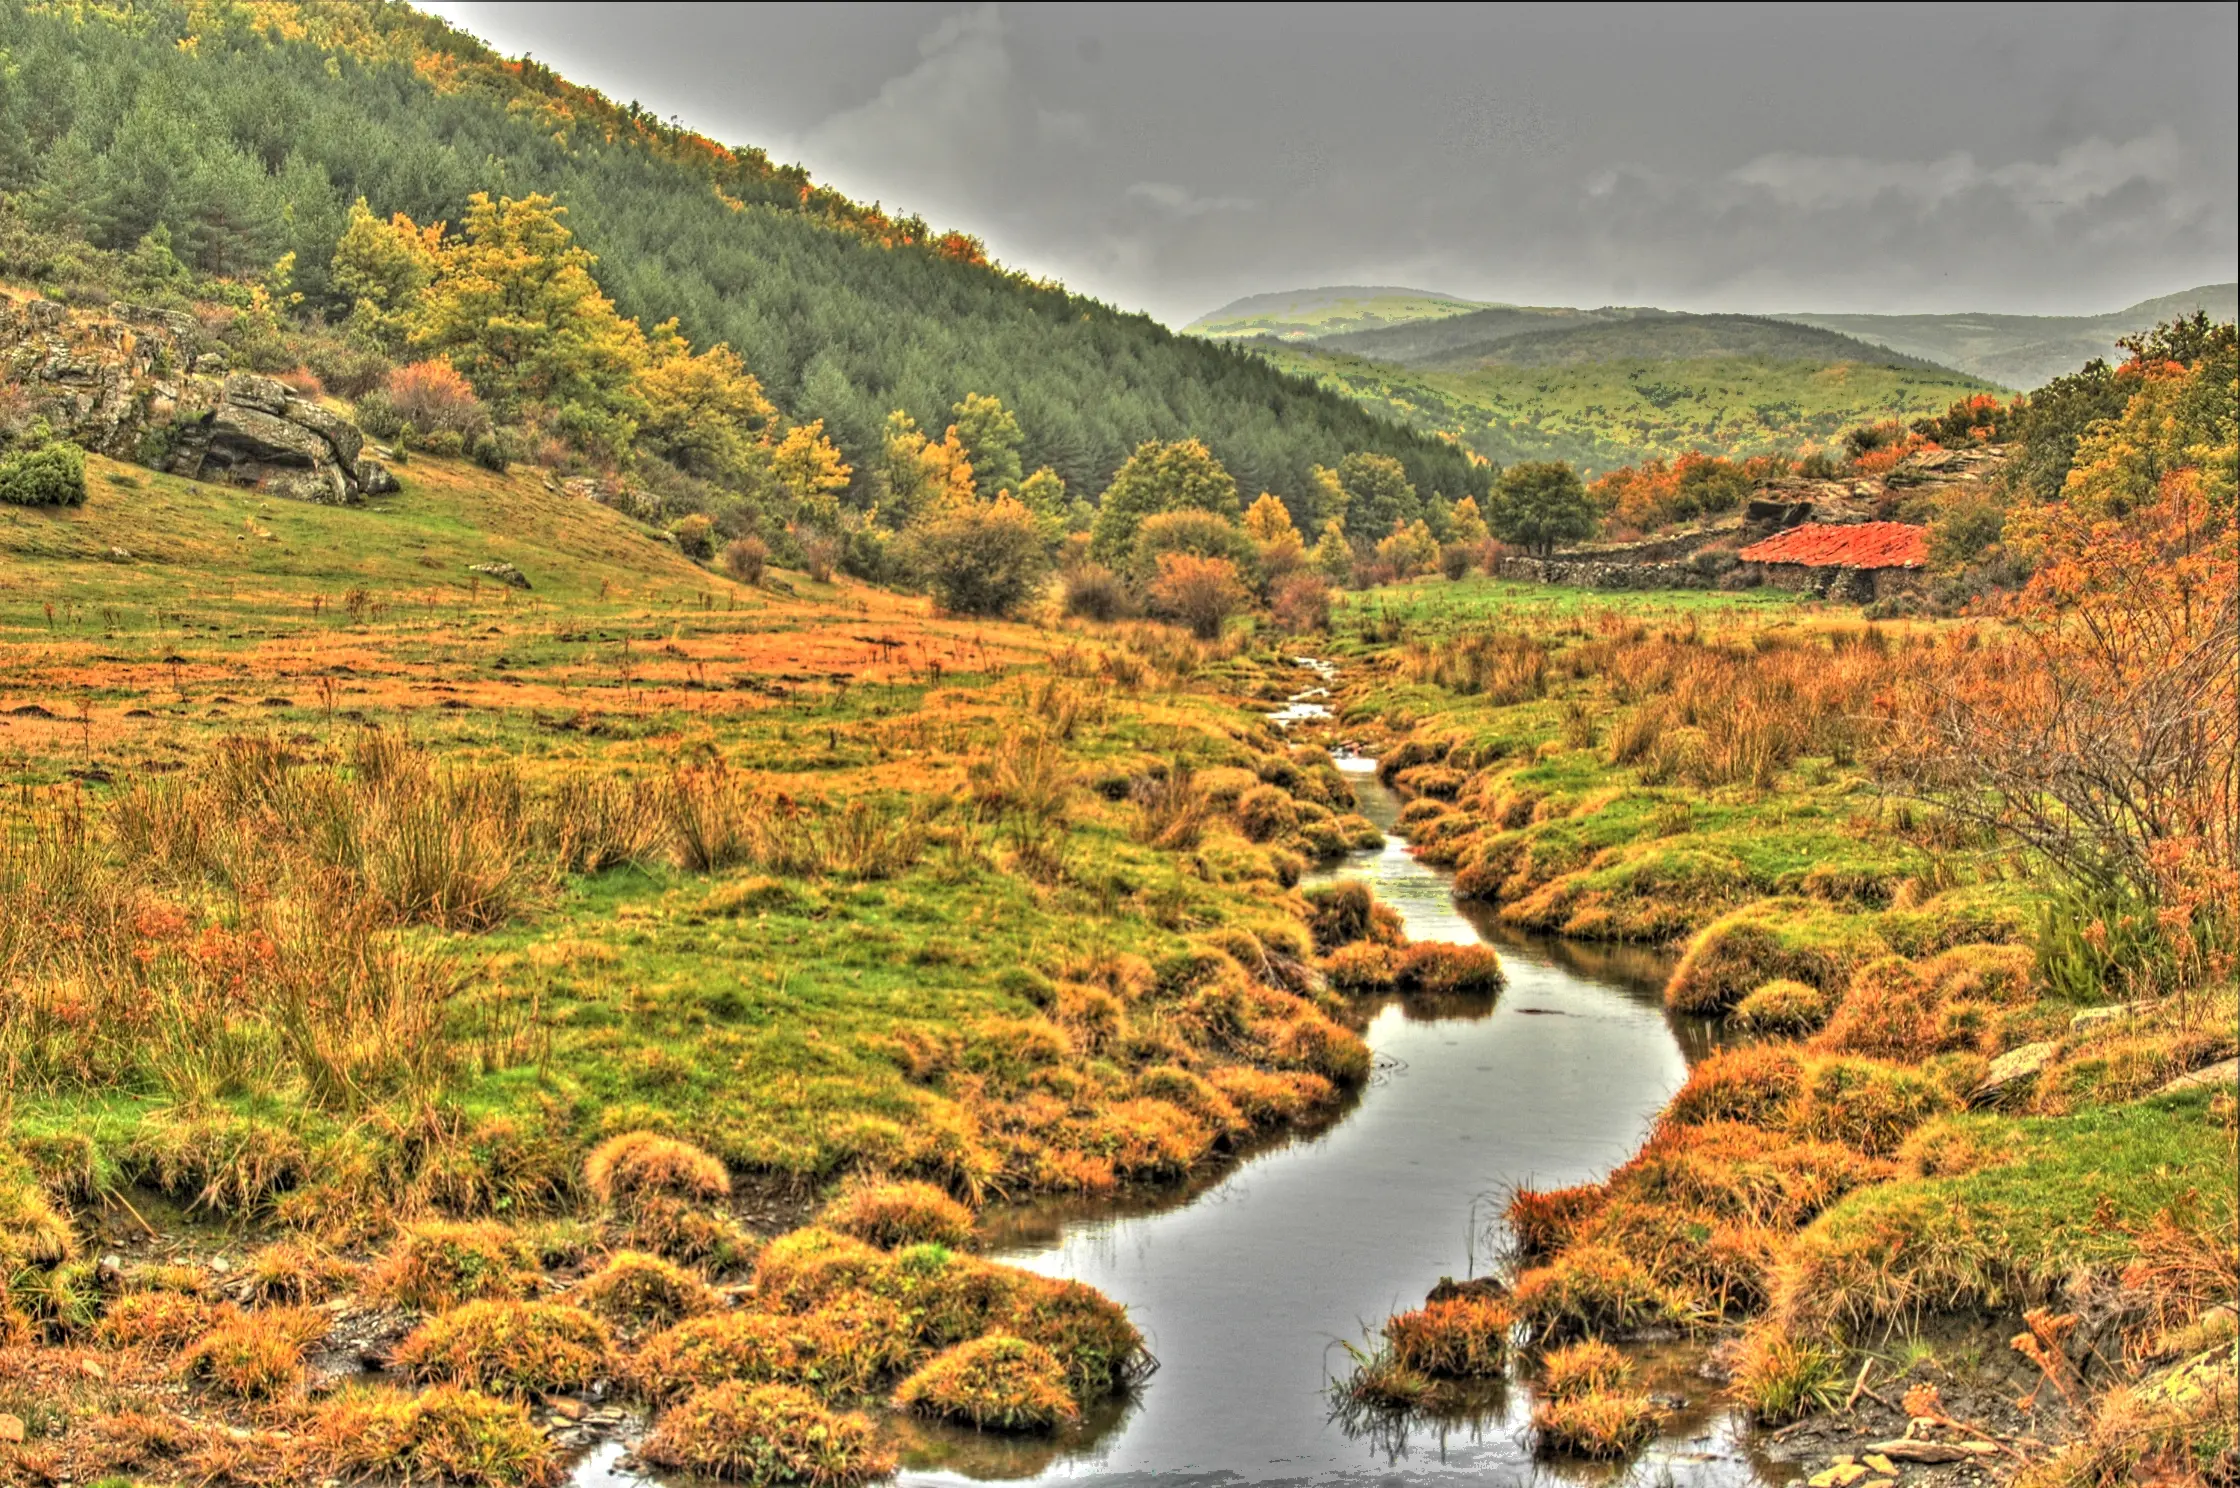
1172	158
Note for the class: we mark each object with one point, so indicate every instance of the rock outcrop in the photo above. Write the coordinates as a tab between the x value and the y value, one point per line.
137	384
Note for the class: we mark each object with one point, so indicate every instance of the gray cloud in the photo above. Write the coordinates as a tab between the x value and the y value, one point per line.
1170	158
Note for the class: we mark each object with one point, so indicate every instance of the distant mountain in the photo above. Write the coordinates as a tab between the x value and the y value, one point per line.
2023	351
1308	314
1508	337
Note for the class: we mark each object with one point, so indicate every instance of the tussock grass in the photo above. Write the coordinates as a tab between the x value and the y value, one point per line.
998	1383
508	1348
766	1436
1587	1367
1465	1337
1594	1424
440	1264
445	1434
635	1290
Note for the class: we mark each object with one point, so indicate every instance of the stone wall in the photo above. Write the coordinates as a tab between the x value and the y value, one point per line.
133	384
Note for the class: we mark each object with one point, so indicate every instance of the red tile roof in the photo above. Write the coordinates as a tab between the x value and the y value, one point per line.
1845	545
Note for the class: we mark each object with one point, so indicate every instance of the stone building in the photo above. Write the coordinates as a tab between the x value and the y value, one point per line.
1852	562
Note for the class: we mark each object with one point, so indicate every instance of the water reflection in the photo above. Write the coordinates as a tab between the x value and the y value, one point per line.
1248	1283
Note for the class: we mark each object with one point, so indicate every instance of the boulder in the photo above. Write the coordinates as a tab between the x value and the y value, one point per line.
2226	1073
264	394
374	478
504	573
341	435
2010	1070
243	435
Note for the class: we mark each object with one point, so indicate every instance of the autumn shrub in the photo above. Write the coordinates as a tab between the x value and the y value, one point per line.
746	559
1300	604
508	1348
1586	1367
985	559
254	1355
439	1264
1094	592
1437	968
441	1435
996	1382
767	1436
893	1215
1465	1337
432	397
695	535
1791	1009
1201	593
633	1289
160	1322
1596	1424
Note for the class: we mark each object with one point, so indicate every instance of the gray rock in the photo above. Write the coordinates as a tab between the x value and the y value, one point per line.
2226	1073
322	485
341	435
374	478
265	394
209	364
504	573
242	436
2010	1070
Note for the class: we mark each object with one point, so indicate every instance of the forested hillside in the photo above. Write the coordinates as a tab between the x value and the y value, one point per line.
221	139
1603	414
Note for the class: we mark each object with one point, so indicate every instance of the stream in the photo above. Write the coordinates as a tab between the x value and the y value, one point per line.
1248	1283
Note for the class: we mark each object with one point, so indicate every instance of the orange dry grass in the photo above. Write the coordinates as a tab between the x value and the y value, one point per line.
1461	1338
254	1355
624	1171
1594	1424
440	1264
1586	1367
637	1290
508	1348
766	1434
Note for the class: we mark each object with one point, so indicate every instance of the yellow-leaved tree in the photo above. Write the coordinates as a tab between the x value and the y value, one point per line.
514	306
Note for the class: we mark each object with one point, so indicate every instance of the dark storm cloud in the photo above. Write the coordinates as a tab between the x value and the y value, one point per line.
1755	158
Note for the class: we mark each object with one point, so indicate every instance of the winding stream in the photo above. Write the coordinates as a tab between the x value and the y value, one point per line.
1246	1283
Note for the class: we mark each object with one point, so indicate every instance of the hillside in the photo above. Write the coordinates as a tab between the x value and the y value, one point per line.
1601	415
1603	338
2023	351
1309	314
227	137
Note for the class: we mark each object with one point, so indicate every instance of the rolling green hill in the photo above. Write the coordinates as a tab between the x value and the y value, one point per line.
1608	337
227	136
2023	351
1309	314
1603	414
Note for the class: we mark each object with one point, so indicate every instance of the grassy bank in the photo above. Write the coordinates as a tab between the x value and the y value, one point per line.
1944	1115
357	902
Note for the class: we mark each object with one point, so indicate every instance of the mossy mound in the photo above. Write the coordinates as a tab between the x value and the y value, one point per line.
767	1436
999	1382
508	1348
